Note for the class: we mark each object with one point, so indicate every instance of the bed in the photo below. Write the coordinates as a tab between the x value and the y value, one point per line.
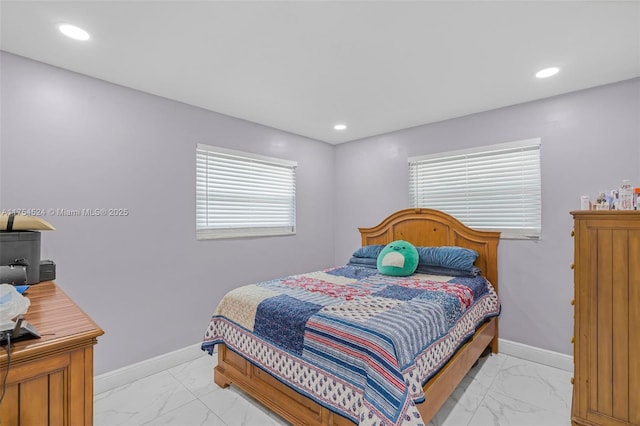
307	379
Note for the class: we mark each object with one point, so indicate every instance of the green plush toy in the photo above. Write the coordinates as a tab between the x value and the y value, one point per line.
398	258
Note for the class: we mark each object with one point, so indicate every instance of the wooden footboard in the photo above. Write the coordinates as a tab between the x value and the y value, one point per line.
300	410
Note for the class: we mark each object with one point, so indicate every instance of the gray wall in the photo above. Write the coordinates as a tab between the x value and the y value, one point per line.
590	142
73	142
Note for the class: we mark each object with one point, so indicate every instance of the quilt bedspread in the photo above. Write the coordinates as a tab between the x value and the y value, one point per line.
360	343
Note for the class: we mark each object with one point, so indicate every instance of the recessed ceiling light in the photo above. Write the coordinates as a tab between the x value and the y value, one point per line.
547	72
74	32
340	126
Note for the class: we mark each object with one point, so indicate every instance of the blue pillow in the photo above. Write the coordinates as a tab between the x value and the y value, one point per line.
370	252
422	269
447	256
450	272
364	261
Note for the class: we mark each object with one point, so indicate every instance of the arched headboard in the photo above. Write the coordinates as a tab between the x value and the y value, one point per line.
427	227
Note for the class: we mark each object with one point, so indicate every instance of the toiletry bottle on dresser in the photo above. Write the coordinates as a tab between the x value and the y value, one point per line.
626	196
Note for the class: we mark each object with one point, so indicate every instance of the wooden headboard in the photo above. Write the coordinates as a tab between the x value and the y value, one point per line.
427	227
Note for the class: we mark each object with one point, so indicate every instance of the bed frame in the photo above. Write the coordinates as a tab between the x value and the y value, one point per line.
421	227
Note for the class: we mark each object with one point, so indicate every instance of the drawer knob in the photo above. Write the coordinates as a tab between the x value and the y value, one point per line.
573	339
573	233
572	380
573	266
573	302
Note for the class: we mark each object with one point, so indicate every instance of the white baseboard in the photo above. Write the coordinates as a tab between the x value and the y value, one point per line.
541	356
133	372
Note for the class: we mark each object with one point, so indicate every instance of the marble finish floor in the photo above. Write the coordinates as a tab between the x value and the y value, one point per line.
500	390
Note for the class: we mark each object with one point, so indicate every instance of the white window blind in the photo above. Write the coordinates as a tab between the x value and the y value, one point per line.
239	194
494	187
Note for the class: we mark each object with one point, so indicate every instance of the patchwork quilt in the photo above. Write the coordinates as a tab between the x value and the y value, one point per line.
360	343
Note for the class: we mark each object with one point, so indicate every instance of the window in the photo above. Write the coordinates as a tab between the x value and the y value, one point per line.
243	195
494	187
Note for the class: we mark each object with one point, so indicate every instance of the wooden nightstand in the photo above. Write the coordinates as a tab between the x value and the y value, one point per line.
50	379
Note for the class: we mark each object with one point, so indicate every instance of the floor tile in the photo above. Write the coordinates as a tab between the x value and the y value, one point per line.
140	401
237	409
197	375
501	410
499	390
536	384
462	404
194	413
487	368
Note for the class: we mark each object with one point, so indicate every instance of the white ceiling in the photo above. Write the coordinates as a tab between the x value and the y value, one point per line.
302	66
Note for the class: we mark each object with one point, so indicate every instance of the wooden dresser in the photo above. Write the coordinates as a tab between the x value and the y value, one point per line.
50	379
606	387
